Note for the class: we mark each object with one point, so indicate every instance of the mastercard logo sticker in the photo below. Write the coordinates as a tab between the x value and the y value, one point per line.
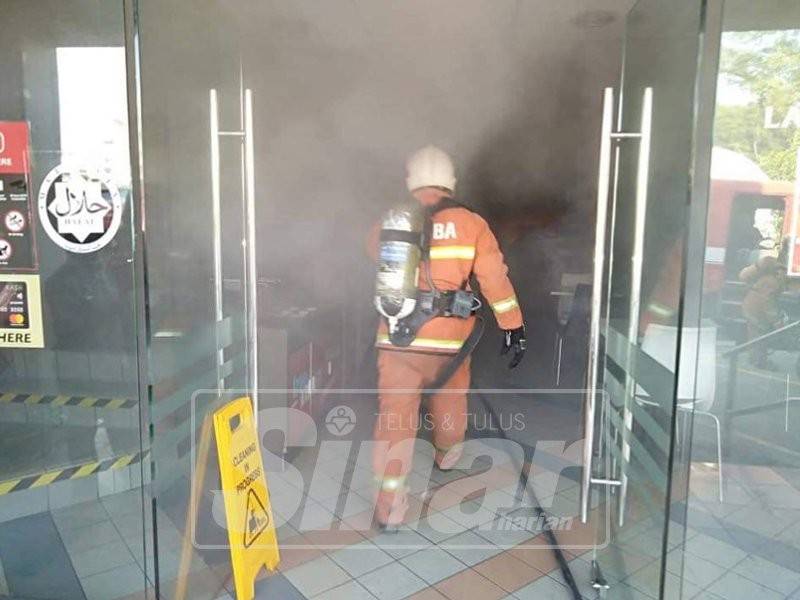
16	319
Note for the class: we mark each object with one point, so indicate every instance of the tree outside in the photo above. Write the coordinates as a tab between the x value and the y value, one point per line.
758	105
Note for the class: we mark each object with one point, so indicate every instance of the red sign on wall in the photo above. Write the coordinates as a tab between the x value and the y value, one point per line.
17	245
13	147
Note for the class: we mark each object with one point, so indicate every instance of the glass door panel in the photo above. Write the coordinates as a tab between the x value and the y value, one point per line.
70	436
647	152
196	138
743	493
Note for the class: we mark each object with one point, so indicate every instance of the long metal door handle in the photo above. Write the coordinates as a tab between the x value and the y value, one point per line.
642	179
603	179
250	241
245	133
216	224
634	311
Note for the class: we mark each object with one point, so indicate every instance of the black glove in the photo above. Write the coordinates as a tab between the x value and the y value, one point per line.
514	340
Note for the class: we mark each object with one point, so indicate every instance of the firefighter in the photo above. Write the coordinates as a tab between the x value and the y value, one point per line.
767	281
461	244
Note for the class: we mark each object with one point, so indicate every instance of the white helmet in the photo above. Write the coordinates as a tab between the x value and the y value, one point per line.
430	167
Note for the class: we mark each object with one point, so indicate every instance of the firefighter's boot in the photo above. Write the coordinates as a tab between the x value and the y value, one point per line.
446	460
390	509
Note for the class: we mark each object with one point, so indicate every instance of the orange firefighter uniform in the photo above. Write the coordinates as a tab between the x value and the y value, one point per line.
761	304
461	244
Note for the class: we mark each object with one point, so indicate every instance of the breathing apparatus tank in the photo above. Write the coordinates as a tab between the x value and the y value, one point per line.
402	243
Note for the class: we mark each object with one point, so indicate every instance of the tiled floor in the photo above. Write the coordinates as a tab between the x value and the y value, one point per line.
450	547
104	541
746	548
96	544
461	551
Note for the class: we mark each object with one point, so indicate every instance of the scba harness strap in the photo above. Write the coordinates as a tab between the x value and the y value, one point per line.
430	304
460	304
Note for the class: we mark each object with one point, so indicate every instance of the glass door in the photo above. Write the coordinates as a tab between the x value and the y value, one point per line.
741	471
71	472
642	230
197	148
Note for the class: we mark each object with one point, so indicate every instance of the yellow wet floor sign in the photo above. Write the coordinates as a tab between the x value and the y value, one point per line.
251	529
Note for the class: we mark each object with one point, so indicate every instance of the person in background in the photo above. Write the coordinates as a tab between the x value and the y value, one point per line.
766	280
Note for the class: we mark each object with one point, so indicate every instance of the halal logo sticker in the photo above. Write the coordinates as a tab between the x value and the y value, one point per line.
79	210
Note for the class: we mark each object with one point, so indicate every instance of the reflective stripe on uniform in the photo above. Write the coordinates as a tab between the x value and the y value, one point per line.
660	309
503	306
391	484
439	344
446	449
444	252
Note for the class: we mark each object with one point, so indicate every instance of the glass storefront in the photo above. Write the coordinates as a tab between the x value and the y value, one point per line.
743	497
73	461
715	499
649	160
194	141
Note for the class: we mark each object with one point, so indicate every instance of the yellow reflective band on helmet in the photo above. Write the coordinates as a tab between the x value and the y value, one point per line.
391	484
437	344
444	252
503	306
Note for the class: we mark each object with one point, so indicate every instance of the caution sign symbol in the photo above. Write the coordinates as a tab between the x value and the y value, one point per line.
257	518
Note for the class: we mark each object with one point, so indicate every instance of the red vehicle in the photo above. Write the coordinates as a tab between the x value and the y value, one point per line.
741	195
